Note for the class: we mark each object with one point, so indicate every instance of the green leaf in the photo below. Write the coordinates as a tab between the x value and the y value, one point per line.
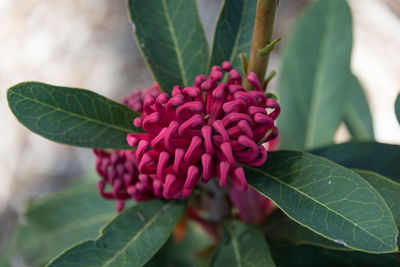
233	32
397	108
357	115
242	245
327	198
310	256
300	235
282	230
388	189
131	239
184	253
313	77
55	223
381	158
71	116
171	38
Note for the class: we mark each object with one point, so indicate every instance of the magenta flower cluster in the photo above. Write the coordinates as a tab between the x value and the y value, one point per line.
209	130
119	169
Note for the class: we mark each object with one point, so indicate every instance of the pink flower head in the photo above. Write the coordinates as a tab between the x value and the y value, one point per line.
119	170
210	129
135	99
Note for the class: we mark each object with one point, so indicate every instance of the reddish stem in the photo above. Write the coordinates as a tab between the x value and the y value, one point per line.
262	34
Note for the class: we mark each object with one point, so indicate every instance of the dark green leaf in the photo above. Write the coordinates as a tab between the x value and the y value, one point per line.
171	38
71	116
233	32
357	115
131	239
327	198
282	230
184	253
310	256
313	77
397	108
242	245
389	190
381	158
58	222
299	235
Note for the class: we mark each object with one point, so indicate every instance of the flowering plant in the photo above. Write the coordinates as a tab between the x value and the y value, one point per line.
193	157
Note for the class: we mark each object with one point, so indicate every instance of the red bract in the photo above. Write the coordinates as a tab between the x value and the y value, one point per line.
211	129
118	169
135	99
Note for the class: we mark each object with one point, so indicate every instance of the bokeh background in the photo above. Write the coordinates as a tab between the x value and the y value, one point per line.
89	44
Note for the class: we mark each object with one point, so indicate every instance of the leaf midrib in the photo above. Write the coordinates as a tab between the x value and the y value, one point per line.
317	202
360	128
175	41
316	89
136	236
77	225
239	33
72	114
235	247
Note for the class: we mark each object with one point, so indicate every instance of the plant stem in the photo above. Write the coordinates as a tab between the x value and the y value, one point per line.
262	34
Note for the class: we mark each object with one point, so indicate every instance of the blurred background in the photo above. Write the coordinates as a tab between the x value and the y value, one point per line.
89	44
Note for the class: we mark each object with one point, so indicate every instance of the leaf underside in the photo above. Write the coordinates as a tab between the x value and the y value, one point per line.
313	77
357	115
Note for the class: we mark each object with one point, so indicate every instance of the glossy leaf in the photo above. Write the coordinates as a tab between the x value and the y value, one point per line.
56	223
357	115
71	116
397	108
310	256
171	38
131	239
315	70
242	245
381	158
327	198
233	32
388	189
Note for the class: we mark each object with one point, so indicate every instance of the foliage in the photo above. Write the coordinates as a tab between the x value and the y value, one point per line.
60	221
339	202
71	116
242	245
315	75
